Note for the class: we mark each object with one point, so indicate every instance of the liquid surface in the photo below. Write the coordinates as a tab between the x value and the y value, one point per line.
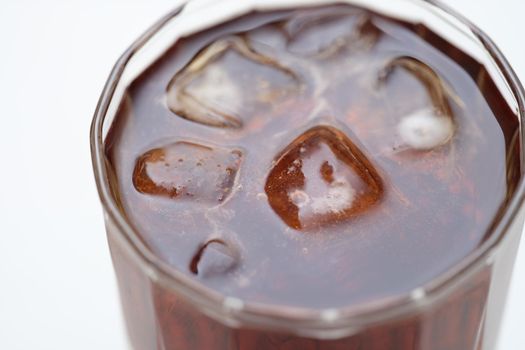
319	158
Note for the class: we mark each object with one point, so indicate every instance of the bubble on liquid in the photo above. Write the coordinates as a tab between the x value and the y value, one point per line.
188	171
216	257
325	33
227	83
299	198
322	178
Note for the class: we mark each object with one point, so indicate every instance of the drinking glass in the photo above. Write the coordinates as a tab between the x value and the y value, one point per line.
167	310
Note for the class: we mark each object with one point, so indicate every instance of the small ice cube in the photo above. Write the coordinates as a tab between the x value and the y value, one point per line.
214	258
188	171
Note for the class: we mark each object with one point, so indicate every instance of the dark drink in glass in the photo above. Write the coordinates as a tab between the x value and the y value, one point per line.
321	177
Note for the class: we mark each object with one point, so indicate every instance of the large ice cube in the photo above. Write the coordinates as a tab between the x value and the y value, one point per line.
322	178
229	82
188	171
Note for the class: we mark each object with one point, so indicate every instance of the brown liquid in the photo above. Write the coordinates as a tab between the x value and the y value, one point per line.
318	158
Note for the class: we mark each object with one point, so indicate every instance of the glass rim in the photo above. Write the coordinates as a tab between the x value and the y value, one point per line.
327	323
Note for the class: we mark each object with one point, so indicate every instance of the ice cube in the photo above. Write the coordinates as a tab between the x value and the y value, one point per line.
188	171
427	120
227	83
324	33
322	178
215	257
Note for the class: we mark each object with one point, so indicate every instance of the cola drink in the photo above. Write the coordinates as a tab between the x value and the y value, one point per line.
324	159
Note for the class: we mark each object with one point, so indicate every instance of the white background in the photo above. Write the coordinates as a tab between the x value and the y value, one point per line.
57	288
